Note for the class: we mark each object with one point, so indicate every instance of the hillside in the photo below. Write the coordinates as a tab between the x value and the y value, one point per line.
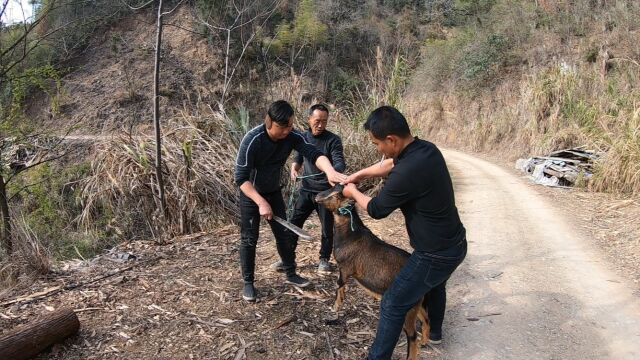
496	79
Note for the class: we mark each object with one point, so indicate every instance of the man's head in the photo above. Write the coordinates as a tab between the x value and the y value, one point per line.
279	120
388	130
318	117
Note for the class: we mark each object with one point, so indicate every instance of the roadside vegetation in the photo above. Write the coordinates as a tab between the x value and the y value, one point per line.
510	76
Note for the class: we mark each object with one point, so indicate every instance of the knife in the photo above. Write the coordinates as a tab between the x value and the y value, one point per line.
301	233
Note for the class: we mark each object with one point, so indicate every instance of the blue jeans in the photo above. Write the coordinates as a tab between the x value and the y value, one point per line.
423	273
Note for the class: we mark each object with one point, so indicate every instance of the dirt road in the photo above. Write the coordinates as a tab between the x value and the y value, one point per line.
532	287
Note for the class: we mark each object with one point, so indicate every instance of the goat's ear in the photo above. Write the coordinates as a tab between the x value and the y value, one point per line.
339	187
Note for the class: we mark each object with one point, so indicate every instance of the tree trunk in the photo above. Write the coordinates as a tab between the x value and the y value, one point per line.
28	340
156	113
6	219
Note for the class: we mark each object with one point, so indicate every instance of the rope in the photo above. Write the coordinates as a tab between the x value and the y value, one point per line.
347	210
292	193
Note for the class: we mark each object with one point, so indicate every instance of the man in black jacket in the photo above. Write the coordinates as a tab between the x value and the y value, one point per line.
261	156
315	181
418	183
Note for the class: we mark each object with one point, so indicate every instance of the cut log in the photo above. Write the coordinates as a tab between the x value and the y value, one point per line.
26	341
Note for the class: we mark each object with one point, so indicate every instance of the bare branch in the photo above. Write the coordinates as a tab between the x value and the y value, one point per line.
5	3
139	7
172	10
17	192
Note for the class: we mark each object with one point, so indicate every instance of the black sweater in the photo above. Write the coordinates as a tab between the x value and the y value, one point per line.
260	159
329	145
420	185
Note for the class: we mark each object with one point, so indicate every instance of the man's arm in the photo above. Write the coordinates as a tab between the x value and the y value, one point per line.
394	194
295	170
314	155
296	165
263	206
381	169
333	176
337	155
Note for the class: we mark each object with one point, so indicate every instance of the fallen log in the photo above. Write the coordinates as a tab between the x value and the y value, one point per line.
26	341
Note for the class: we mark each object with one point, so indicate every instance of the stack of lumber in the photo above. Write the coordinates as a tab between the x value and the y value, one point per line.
560	168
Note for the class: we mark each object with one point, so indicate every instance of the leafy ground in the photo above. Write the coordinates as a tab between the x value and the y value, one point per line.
182	301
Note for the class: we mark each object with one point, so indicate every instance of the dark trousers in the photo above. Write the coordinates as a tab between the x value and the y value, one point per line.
303	208
249	231
424	273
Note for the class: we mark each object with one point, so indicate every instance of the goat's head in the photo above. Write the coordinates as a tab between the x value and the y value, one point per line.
333	199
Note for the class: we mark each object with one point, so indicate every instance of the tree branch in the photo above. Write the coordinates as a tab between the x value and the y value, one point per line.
172	10
137	8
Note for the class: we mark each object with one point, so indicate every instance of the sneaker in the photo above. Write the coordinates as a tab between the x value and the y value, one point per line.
298	281
278	266
325	266
435	338
249	292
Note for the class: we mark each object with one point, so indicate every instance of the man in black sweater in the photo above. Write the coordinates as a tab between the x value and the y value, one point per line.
261	157
315	181
418	183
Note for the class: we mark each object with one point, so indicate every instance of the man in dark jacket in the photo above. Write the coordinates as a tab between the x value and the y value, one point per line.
418	183
261	157
315	181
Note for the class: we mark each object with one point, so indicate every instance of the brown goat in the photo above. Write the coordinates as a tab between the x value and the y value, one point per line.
372	262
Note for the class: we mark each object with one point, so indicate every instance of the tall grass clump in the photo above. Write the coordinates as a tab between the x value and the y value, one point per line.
198	166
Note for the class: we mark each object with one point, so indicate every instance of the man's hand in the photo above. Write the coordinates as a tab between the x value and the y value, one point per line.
349	190
294	173
354	178
336	178
265	210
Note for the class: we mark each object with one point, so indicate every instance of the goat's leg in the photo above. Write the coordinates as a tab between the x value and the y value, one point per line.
412	335
341	291
424	321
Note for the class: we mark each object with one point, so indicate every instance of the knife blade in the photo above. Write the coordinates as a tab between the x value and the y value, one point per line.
298	231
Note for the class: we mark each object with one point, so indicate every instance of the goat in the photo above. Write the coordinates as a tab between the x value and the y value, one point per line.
372	262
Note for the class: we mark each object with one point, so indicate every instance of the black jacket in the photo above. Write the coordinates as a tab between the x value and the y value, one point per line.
329	145
420	185
260	159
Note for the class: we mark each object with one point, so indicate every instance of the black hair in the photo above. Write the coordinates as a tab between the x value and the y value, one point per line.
280	111
385	121
321	107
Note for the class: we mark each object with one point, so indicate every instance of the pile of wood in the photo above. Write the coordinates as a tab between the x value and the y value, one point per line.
560	168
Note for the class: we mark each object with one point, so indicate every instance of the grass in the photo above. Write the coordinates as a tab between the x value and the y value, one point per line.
491	101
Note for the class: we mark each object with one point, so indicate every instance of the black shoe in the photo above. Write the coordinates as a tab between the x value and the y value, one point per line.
297	280
325	266
249	292
435	338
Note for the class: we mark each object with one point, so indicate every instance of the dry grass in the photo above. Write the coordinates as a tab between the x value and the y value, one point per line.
551	104
198	170
29	258
199	150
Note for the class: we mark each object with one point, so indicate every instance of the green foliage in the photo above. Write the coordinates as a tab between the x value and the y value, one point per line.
473	7
306	30
591	55
45	78
343	85
482	60
47	197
